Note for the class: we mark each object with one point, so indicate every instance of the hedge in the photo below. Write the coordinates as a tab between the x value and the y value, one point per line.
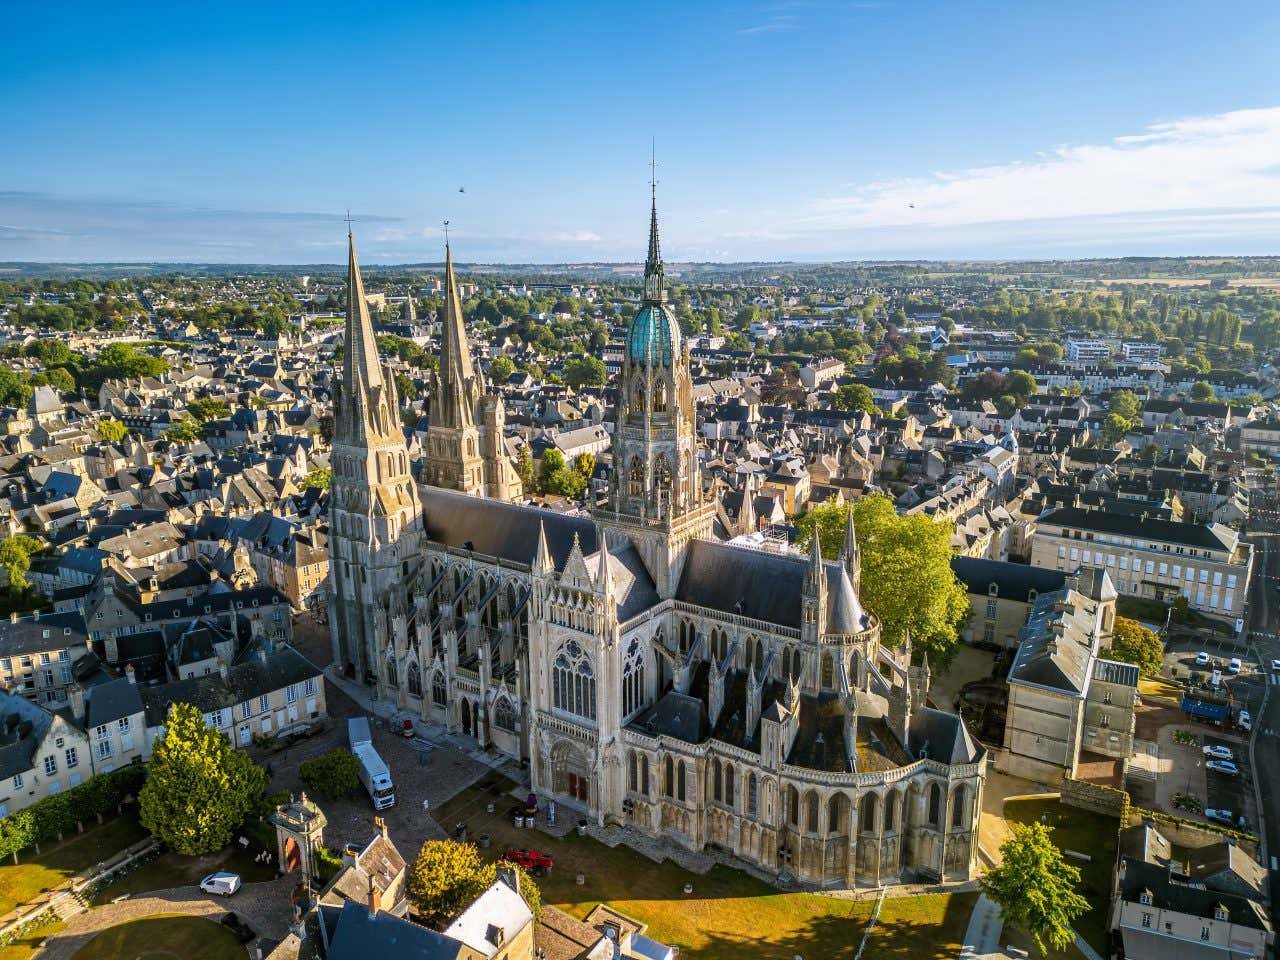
62	813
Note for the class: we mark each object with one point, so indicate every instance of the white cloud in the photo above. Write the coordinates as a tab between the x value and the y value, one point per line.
1218	163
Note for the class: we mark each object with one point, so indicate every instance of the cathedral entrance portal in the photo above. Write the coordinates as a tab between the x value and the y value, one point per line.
570	773
466	717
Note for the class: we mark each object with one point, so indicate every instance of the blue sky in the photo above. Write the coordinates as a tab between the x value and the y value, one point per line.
784	130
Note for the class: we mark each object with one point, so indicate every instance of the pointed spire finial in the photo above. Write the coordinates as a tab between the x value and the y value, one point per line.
654	291
542	562
604	575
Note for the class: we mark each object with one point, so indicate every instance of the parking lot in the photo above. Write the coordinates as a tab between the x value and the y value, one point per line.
1245	689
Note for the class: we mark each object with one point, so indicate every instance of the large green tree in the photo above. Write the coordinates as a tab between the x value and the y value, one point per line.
1202	391
1133	643
1035	887
906	561
15	559
585	372
854	396
199	789
113	431
186	429
331	774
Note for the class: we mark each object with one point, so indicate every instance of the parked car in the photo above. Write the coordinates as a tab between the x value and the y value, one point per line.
1222	766
222	883
1275	666
1244	721
535	861
1202	659
1215	679
236	924
1218	752
1233	665
1221	816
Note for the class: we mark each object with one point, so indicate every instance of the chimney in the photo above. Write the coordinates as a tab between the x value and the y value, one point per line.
13	617
375	898
75	696
130	674
381	824
222	668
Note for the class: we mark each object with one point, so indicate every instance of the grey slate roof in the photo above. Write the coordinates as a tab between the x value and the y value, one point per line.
1014	581
52	631
110	701
508	531
358	936
1168	894
1114	671
1211	536
763	586
940	736
245	681
676	715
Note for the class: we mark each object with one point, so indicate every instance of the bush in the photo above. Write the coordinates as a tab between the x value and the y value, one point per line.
60	813
327	864
331	774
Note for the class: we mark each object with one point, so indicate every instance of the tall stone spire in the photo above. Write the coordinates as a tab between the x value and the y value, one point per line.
654	287
368	402
459	385
850	553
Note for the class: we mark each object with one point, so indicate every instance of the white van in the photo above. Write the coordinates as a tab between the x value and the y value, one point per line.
1215	679
222	883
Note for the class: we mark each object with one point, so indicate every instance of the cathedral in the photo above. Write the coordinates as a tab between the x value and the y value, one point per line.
650	674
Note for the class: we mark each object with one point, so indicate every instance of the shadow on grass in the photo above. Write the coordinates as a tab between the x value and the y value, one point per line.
165	936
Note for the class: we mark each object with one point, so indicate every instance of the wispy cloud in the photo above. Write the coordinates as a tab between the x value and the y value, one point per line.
779	21
1211	163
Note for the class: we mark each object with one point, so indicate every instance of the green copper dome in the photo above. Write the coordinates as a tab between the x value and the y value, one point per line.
655	336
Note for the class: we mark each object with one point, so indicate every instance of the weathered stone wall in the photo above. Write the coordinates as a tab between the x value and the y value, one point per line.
1095	798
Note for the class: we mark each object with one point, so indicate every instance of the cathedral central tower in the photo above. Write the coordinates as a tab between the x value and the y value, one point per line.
656	495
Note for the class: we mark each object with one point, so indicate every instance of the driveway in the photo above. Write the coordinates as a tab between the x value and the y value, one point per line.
266	906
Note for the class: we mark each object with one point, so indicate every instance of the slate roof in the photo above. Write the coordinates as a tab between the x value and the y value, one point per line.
1014	581
676	715
764	586
110	701
357	936
1113	671
1211	536
245	681
940	736
22	725
1056	646
1169	894
508	531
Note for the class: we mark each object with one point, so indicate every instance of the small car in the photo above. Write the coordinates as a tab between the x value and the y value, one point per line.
1222	766
1215	679
535	861
1233	665
222	883
1221	816
1244	721
1202	659
1275	666
1218	752
236	924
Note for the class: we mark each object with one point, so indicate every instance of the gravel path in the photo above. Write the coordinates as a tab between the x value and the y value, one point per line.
264	905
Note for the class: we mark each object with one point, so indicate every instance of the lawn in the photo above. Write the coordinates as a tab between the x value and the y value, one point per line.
1084	832
37	872
730	915
163	937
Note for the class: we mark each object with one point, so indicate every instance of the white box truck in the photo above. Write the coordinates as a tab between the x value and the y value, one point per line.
373	771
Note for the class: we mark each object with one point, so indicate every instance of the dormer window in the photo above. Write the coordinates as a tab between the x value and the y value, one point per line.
1220	912
1144	898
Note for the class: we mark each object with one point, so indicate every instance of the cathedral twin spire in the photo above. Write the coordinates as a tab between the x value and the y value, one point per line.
369	403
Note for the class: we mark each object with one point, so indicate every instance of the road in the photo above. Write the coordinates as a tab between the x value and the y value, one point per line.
1264	625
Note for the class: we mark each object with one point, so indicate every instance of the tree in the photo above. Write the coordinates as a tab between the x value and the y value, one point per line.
1035	887
585	372
112	431
15	559
854	396
319	477
331	774
1020	384
186	429
909	586
1202	391
552	460
783	386
524	468
1124	403
1114	428
199	789
447	875
501	369
584	464
1133	643
207	409
444	878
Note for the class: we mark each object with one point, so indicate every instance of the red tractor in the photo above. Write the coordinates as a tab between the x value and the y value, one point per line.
535	861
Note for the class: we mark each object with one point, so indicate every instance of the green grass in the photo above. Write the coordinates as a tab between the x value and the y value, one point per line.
1083	832
54	865
163	937
730	915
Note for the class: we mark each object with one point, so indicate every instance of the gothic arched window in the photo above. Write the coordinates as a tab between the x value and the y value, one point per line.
668	778
811	812
415	679
662	473
728	784
753	795
574	682
935	805
391	672
680	781
632	679
717	781
637	396
635	478
868	813
504	714
439	692
957	807
828	671
661	391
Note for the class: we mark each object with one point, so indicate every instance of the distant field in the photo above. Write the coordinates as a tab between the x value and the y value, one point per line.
1267	283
